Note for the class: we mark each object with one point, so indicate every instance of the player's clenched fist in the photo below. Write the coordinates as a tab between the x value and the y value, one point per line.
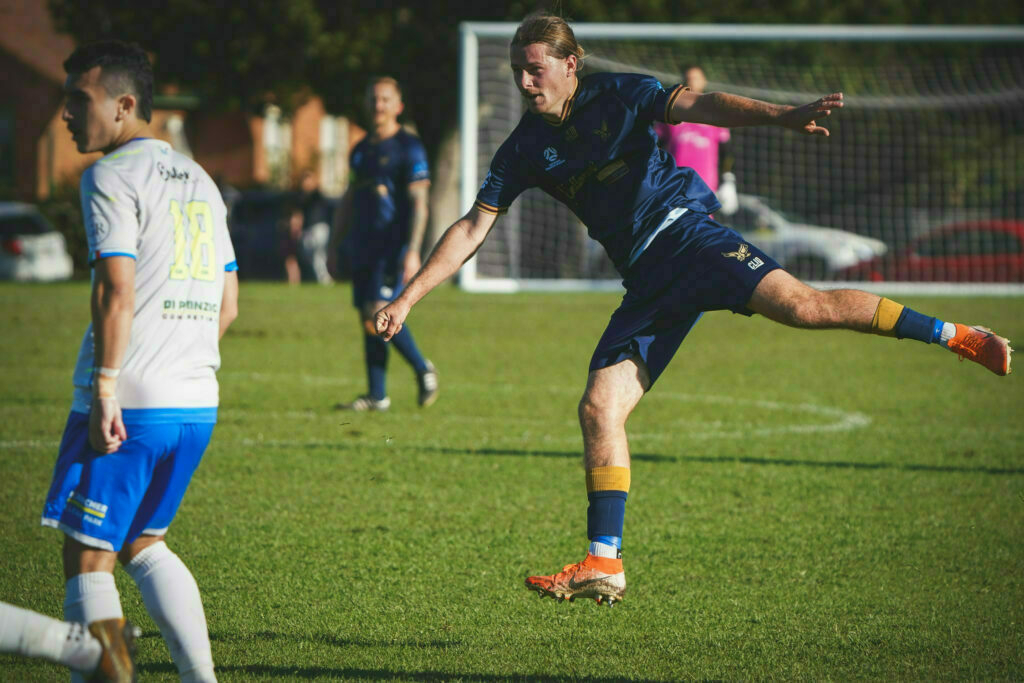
389	320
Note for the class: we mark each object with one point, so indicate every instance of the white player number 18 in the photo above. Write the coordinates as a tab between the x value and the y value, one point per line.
200	264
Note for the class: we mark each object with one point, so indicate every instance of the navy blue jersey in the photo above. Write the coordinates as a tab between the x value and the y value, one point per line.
381	172
601	159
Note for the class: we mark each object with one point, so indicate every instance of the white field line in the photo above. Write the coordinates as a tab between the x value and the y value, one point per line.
833	419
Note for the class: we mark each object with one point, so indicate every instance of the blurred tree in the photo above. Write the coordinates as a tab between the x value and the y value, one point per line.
232	55
239	56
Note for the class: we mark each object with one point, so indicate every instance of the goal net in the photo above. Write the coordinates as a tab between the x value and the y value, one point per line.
926	159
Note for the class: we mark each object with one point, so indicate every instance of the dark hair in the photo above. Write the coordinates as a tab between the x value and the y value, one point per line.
550	30
126	69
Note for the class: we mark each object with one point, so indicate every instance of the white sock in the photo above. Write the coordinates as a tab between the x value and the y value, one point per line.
31	634
91	597
598	549
948	332
172	598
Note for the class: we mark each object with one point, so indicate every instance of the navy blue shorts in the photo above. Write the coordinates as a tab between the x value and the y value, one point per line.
671	285
104	501
377	279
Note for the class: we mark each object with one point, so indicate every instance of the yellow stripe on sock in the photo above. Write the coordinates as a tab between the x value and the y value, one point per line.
886	316
608	479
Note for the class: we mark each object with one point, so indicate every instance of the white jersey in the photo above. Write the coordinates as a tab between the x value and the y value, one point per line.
146	201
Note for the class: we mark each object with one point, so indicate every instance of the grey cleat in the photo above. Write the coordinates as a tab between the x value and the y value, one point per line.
365	404
429	387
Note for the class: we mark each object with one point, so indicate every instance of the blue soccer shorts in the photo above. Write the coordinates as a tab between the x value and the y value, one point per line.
672	284
105	501
377	279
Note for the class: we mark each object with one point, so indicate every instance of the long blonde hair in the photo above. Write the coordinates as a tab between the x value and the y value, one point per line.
550	30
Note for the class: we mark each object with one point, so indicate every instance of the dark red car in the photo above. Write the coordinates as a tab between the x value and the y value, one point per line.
971	251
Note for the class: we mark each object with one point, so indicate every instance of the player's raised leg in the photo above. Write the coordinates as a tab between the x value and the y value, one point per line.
785	299
611	395
102	650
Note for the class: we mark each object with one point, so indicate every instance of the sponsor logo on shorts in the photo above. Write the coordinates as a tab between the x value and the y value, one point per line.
91	512
740	254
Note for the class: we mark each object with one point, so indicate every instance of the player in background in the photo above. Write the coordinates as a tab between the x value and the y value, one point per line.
706	149
164	290
103	650
588	142
384	214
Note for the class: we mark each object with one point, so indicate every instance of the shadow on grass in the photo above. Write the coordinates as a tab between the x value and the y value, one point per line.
278	673
326	639
660	457
745	459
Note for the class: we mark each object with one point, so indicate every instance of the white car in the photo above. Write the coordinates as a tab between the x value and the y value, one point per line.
31	249
807	251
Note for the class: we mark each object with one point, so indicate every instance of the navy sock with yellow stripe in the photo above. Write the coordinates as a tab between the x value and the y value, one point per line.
896	320
607	490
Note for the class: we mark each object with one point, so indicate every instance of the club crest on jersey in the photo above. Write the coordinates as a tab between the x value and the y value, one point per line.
551	156
740	254
602	132
100	228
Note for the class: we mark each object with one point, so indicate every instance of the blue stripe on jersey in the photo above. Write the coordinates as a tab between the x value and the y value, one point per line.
169	415
105	254
231	267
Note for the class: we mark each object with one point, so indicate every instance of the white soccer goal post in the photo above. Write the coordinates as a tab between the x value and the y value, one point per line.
927	156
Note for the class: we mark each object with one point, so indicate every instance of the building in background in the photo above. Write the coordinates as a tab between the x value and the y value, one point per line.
37	154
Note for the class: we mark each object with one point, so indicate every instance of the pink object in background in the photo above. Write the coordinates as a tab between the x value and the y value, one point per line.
694	145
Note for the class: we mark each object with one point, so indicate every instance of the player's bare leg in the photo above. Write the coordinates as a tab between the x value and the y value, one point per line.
611	395
785	299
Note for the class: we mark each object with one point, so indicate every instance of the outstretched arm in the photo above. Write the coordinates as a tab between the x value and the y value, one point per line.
458	243
730	111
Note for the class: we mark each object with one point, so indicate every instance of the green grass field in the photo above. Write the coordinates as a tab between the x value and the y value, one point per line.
805	505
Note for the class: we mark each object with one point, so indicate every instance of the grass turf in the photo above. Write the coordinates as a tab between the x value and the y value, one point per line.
812	505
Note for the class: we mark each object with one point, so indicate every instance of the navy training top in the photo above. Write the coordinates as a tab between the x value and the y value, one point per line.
601	159
380	173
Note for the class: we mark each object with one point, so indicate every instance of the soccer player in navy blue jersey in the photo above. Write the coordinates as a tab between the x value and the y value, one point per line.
589	142
385	216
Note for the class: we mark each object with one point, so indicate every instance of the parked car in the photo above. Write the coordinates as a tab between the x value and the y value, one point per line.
807	251
31	249
969	251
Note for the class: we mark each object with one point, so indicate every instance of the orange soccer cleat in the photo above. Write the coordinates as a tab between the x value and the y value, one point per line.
982	346
600	578
117	663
